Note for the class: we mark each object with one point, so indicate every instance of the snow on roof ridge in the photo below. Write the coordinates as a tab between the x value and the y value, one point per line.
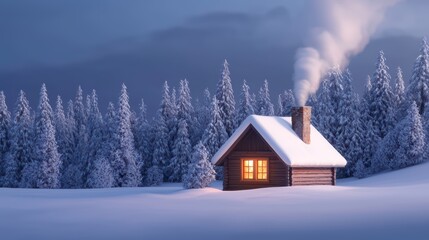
278	133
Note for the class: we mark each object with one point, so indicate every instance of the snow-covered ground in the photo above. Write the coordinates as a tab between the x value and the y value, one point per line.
392	205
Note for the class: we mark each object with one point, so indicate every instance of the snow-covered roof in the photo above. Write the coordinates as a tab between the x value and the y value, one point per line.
278	133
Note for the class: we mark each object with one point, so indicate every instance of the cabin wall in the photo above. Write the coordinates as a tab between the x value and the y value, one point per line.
311	176
253	145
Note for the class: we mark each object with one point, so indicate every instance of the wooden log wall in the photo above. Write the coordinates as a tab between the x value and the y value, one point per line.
311	176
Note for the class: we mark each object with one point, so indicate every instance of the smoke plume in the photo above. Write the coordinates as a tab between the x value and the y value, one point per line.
337	30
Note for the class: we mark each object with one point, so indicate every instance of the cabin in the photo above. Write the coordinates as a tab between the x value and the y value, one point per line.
268	151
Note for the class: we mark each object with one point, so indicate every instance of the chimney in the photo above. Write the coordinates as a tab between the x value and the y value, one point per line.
301	121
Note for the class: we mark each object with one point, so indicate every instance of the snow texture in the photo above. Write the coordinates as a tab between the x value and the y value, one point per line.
278	133
387	206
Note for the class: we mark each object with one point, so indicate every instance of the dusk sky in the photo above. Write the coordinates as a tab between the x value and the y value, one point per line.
100	44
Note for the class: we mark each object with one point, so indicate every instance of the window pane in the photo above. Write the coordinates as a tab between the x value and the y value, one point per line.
248	169
262	169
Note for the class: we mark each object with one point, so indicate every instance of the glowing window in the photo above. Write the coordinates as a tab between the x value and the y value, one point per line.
255	169
248	169
262	169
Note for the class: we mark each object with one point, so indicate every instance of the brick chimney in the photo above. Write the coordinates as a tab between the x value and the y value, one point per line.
301	121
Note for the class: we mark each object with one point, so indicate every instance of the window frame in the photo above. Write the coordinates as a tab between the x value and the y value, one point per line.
255	169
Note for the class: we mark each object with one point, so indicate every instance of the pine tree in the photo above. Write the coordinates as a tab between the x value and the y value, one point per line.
202	114
403	146
200	172
264	105
225	98
167	117
74	172
380	99
4	133
145	138
245	107
286	101
418	90
352	138
181	153
95	134
45	145
126	173
215	135
21	142
399	91
411	139
371	138
161	152
101	175
185	110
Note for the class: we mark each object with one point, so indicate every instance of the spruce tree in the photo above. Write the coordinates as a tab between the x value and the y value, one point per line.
399	91
215	135
101	175
185	110
225	98
286	101
21	143
200	172
264	105
181	153
4	133
145	138
126	172
202	114
380	99
418	89
411	140
45	145
245	107
95	134
167	117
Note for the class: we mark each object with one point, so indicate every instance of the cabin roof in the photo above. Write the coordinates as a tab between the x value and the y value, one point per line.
278	133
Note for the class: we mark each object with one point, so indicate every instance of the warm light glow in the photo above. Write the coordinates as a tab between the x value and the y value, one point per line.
248	169
262	169
255	169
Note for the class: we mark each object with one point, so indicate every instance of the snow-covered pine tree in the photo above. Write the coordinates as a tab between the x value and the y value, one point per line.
101	175
64	127
215	135
181	153
126	173
200	172
203	114
245	107
331	102
264	105
4	133
352	137
167	117
45	145
399	91
185	110
161	152
21	143
74	171
418	89
321	108
144	138
403	146
371	138
225	98
279	109
95	135
286	102
411	140
68	169
380	99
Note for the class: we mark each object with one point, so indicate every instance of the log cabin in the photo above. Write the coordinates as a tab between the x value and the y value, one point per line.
268	151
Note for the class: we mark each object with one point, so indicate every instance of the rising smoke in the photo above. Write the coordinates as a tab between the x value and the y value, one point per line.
337	30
